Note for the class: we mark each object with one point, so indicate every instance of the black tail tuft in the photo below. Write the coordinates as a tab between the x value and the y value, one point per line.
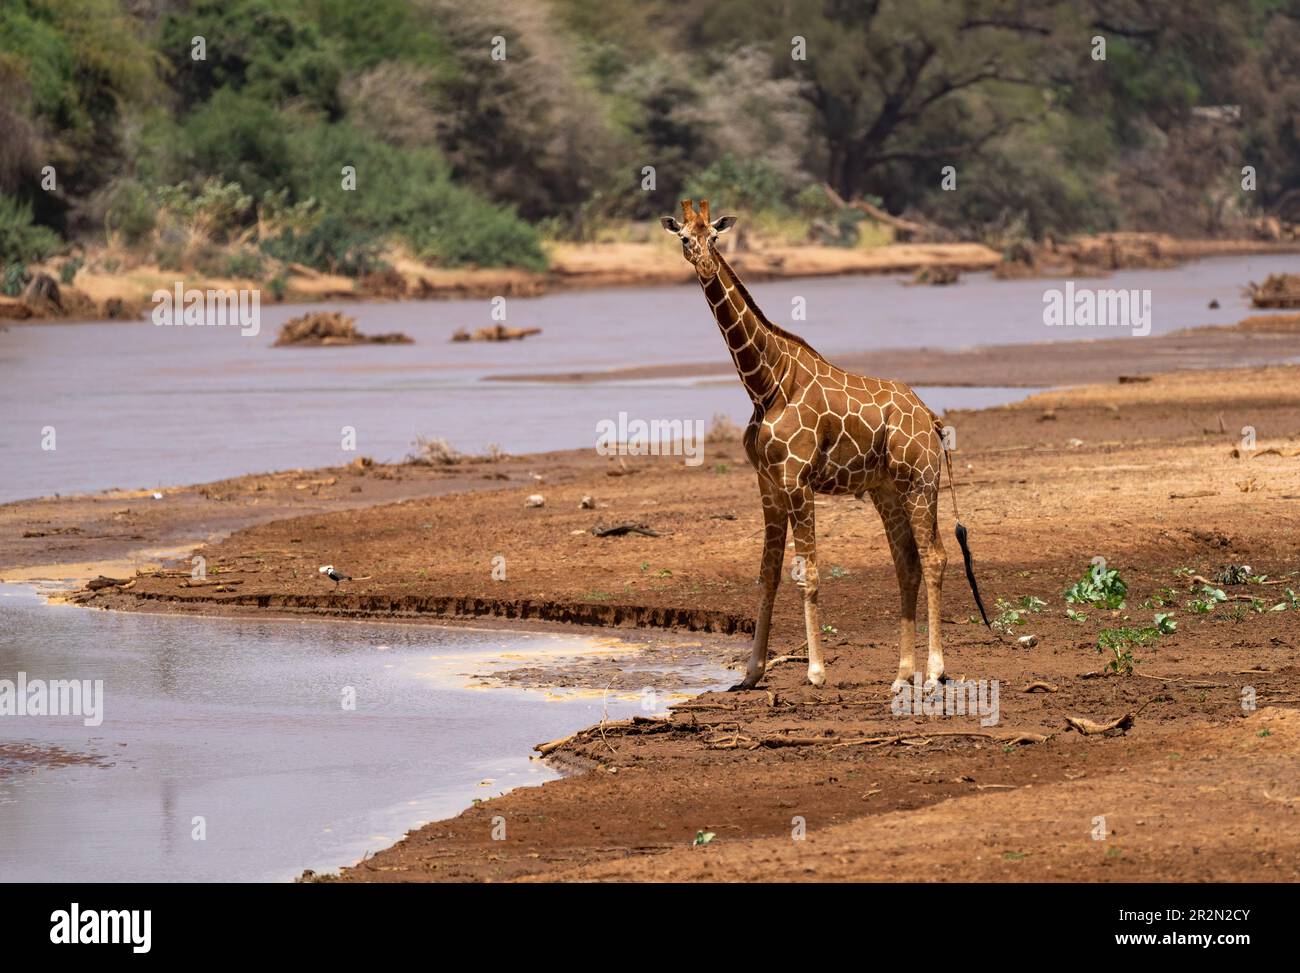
970	572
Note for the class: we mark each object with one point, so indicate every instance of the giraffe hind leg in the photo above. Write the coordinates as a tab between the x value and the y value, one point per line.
922	505
907	565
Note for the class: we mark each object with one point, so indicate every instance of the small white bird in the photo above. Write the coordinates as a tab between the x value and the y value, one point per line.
335	576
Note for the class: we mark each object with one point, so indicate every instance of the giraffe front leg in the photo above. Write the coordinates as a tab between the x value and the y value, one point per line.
803	522
775	519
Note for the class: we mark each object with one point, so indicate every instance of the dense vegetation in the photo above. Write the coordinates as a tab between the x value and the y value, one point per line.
461	157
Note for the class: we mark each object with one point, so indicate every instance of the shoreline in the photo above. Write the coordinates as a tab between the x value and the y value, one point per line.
574	267
1037	364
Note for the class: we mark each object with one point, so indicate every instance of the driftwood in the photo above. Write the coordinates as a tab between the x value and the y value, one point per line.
1091	728
318	329
903	229
910	739
1277	291
618	530
1039	686
495	332
637	724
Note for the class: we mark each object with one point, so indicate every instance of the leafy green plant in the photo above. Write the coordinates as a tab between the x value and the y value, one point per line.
331	245
1007	615
702	837
277	285
1210	599
15	279
1098	586
243	264
68	272
21	240
1120	642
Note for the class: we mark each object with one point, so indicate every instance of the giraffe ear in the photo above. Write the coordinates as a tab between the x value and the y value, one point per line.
670	224
724	223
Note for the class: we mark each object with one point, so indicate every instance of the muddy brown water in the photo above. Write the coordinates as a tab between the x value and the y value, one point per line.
241	724
132	405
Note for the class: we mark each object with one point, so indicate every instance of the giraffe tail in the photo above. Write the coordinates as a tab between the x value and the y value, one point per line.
970	572
965	546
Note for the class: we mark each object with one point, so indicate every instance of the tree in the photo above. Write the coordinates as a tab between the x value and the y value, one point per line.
889	80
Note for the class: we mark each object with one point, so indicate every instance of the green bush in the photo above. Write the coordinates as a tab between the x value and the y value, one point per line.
238	138
331	245
244	264
21	240
217	209
408	192
467	230
15	279
747	184
131	211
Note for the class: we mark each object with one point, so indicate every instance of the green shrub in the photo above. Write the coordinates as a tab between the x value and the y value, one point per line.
470	231
21	240
331	245
408	192
747	184
244	264
131	212
238	138
68	272
277	285
1098	586
216	209
15	279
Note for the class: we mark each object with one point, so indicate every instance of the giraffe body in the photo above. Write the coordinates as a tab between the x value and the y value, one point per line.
817	429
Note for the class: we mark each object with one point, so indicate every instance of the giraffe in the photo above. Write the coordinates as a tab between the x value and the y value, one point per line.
819	429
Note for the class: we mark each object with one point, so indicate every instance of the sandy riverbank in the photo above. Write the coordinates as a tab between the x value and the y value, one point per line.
125	293
1144	474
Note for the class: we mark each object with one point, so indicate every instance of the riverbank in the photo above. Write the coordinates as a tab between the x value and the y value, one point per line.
1256	341
1151	475
124	293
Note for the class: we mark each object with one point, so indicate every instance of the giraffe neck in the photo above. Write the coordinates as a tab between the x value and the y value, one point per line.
758	353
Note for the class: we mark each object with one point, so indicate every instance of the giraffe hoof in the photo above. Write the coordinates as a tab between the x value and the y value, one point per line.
897	685
817	677
747	683
934	682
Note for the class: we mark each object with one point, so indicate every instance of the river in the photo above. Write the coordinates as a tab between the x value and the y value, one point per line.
134	406
242	724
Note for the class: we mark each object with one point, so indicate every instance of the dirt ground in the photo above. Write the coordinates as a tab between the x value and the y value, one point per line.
1153	476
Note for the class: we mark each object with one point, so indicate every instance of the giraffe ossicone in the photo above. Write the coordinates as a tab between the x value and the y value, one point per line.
819	429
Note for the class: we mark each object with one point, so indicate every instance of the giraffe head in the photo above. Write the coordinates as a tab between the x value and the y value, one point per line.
699	236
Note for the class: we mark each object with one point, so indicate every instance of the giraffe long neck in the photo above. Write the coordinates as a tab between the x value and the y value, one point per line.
757	353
